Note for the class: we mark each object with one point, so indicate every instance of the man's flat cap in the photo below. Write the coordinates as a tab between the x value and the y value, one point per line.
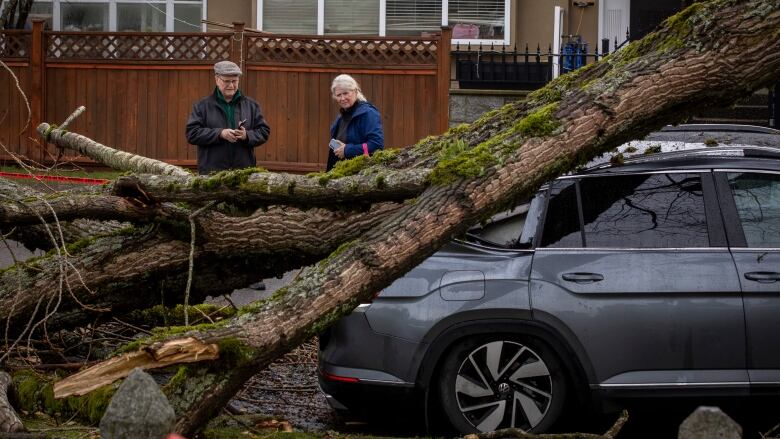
226	68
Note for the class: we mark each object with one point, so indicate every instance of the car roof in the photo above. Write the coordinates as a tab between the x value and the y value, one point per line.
703	146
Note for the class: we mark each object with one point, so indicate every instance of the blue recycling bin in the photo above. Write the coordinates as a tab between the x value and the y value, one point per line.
573	55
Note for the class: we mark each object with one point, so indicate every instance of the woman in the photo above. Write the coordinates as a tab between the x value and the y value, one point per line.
358	128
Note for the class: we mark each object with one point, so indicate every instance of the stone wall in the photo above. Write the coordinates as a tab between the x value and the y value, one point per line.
466	106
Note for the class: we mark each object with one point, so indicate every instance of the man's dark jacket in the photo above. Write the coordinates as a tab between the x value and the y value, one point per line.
209	118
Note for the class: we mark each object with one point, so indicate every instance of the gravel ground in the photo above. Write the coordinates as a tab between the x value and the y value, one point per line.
288	390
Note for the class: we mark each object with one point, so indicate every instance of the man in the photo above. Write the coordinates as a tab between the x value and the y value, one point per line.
226	126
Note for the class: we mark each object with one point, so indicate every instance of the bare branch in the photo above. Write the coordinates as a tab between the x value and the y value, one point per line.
111	157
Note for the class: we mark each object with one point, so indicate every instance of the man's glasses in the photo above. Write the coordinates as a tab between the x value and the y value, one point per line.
228	81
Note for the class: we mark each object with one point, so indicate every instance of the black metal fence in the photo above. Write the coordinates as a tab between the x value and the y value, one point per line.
481	67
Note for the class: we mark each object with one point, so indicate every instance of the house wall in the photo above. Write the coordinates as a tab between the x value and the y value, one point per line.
228	11
532	22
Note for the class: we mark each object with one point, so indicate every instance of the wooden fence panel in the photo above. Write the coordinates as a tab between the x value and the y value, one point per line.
13	111
139	88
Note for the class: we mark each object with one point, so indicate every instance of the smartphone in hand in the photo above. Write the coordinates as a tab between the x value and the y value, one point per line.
241	123
334	144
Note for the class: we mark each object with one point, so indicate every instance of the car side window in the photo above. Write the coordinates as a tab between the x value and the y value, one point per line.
644	211
757	197
561	221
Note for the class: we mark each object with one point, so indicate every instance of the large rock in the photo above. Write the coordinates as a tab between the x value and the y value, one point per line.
709	423
138	410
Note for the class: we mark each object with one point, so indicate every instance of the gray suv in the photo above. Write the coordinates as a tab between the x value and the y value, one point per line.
654	275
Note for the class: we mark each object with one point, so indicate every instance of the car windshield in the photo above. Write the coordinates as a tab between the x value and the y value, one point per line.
513	229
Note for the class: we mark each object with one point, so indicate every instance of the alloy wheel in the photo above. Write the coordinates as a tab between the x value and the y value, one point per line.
503	384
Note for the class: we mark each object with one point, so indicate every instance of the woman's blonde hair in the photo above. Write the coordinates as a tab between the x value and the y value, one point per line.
347	82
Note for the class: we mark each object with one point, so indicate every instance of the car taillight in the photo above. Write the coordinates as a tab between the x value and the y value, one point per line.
331	377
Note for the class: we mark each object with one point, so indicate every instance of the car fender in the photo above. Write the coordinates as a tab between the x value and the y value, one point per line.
448	331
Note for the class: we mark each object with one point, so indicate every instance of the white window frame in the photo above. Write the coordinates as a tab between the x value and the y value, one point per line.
166	6
383	21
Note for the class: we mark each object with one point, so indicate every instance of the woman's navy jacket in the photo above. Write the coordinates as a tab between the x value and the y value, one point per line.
364	133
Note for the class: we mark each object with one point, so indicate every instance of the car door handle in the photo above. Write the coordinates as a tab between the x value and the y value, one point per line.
582	278
765	277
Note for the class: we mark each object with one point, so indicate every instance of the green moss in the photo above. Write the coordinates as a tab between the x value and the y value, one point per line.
457	161
385	156
35	394
711	142
540	123
553	91
458	130
617	160
160	315
234	353
629	150
652	149
232	178
76	247
182	372
330	318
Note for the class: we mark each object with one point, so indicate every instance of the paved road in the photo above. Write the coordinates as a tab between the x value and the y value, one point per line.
14	250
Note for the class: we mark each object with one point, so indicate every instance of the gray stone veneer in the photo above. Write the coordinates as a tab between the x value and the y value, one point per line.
466	106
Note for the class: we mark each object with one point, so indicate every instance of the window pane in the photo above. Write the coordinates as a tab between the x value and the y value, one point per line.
412	17
644	211
140	17
84	16
352	17
290	16
562	222
187	18
39	10
477	19
757	197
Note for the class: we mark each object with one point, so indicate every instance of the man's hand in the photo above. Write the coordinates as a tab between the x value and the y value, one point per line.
240	133
229	135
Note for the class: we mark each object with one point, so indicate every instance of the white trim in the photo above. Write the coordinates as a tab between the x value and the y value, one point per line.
169	12
507	22
55	15
445	12
112	16
204	14
382	18
320	17
556	42
259	15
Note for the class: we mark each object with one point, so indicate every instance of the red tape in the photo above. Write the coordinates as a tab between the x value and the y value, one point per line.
55	178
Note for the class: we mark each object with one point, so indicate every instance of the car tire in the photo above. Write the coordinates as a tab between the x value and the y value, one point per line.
488	383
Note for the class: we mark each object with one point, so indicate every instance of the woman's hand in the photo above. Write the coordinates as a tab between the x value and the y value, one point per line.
340	150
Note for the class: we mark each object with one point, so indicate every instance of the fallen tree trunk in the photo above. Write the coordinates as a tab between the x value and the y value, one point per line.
712	52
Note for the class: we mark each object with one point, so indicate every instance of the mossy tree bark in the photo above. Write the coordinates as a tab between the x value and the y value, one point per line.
714	51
